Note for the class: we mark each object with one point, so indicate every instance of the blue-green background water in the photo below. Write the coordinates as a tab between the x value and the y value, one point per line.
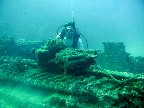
97	20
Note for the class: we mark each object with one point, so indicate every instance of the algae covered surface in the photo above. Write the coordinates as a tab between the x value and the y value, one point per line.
54	76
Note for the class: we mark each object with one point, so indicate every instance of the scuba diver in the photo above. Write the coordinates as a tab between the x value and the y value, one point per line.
70	35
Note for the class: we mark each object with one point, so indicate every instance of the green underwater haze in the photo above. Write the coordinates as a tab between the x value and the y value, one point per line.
98	20
38	70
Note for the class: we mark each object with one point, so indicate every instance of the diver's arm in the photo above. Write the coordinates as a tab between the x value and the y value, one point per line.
58	36
61	35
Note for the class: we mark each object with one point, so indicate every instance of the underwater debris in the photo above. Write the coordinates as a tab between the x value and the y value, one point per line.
115	58
48	51
7	44
136	64
55	55
16	64
92	90
22	48
57	101
75	61
131	96
72	79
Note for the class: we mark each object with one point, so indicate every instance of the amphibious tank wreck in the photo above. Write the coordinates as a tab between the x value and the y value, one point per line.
61	77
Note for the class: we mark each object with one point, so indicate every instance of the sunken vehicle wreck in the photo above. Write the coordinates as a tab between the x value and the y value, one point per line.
60	77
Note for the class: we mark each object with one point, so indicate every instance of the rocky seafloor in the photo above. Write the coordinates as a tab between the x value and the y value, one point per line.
53	76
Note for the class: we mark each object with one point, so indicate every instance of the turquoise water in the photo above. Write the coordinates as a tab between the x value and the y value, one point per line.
98	20
39	74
